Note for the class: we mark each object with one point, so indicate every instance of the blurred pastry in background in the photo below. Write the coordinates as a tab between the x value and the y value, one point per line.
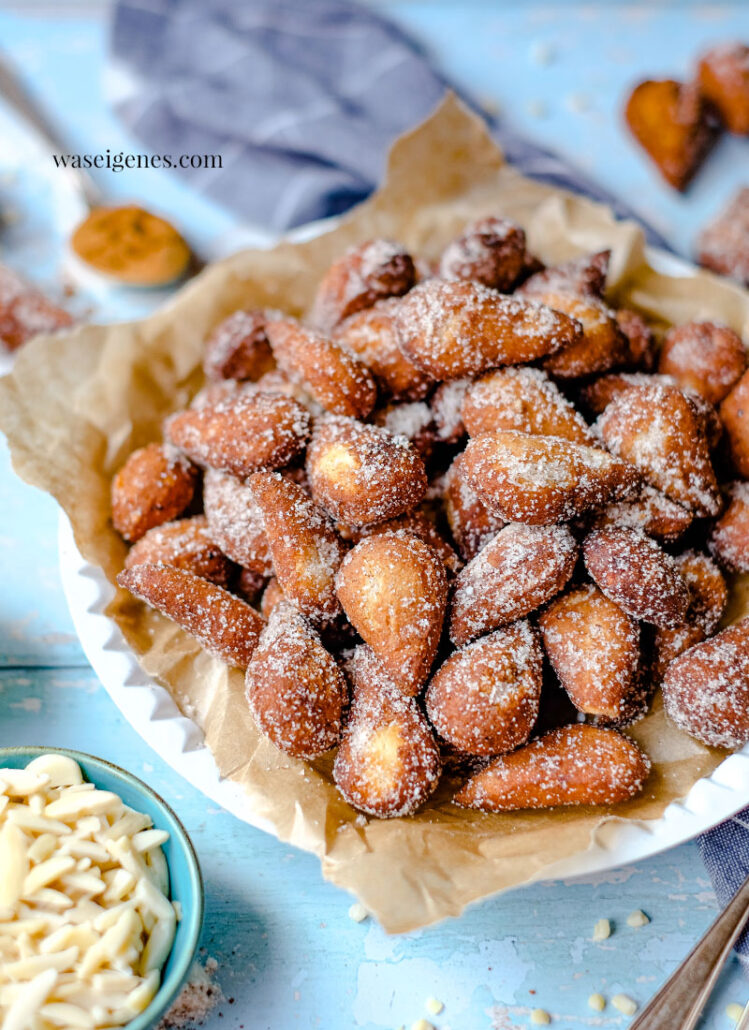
25	311
724	79
723	245
675	125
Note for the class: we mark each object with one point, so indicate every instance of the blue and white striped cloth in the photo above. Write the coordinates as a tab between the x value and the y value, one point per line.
303	98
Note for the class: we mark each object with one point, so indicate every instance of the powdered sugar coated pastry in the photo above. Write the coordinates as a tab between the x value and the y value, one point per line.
185	544
236	522
333	377
655	428
388	763
225	625
241	434
633	570
574	765
706	689
238	347
594	648
154	486
484	699
729	540
371	335
723	245
295	689
490	251
365	274
304	547
393	589
363	474
455	329
524	399
543	479
512	575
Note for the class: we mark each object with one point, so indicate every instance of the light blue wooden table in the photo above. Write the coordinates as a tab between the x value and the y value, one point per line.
288	955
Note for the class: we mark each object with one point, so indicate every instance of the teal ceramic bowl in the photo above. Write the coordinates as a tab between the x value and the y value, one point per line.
186	883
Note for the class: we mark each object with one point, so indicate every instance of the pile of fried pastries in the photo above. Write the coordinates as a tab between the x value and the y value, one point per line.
466	514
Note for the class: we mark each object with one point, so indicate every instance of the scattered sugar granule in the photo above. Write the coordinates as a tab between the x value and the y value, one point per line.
422	1024
542	53
597	1002
637	918
735	1011
540	1017
196	999
434	1006
602	930
491	105
624	1004
536	108
578	103
358	912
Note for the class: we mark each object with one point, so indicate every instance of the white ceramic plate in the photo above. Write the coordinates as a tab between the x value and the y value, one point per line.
153	714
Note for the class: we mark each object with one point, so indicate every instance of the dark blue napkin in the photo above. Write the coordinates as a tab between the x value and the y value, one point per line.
303	98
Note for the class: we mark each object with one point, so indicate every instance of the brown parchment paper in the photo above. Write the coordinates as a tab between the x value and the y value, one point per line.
77	404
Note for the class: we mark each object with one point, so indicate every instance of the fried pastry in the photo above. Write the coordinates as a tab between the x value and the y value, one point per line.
365	274
729	540
602	346
582	277
295	690
524	399
512	575
490	251
337	380
184	544
236	522
372	337
703	357
393	589
708	596
25	311
706	689
573	765
723	245
650	512
222	623
640	339
363	474
724	79
484	699
238	347
388	763
304	547
543	479
471	523
420	525
456	329
594	648
734	414
242	434
446	402
656	429
632	570
154	486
